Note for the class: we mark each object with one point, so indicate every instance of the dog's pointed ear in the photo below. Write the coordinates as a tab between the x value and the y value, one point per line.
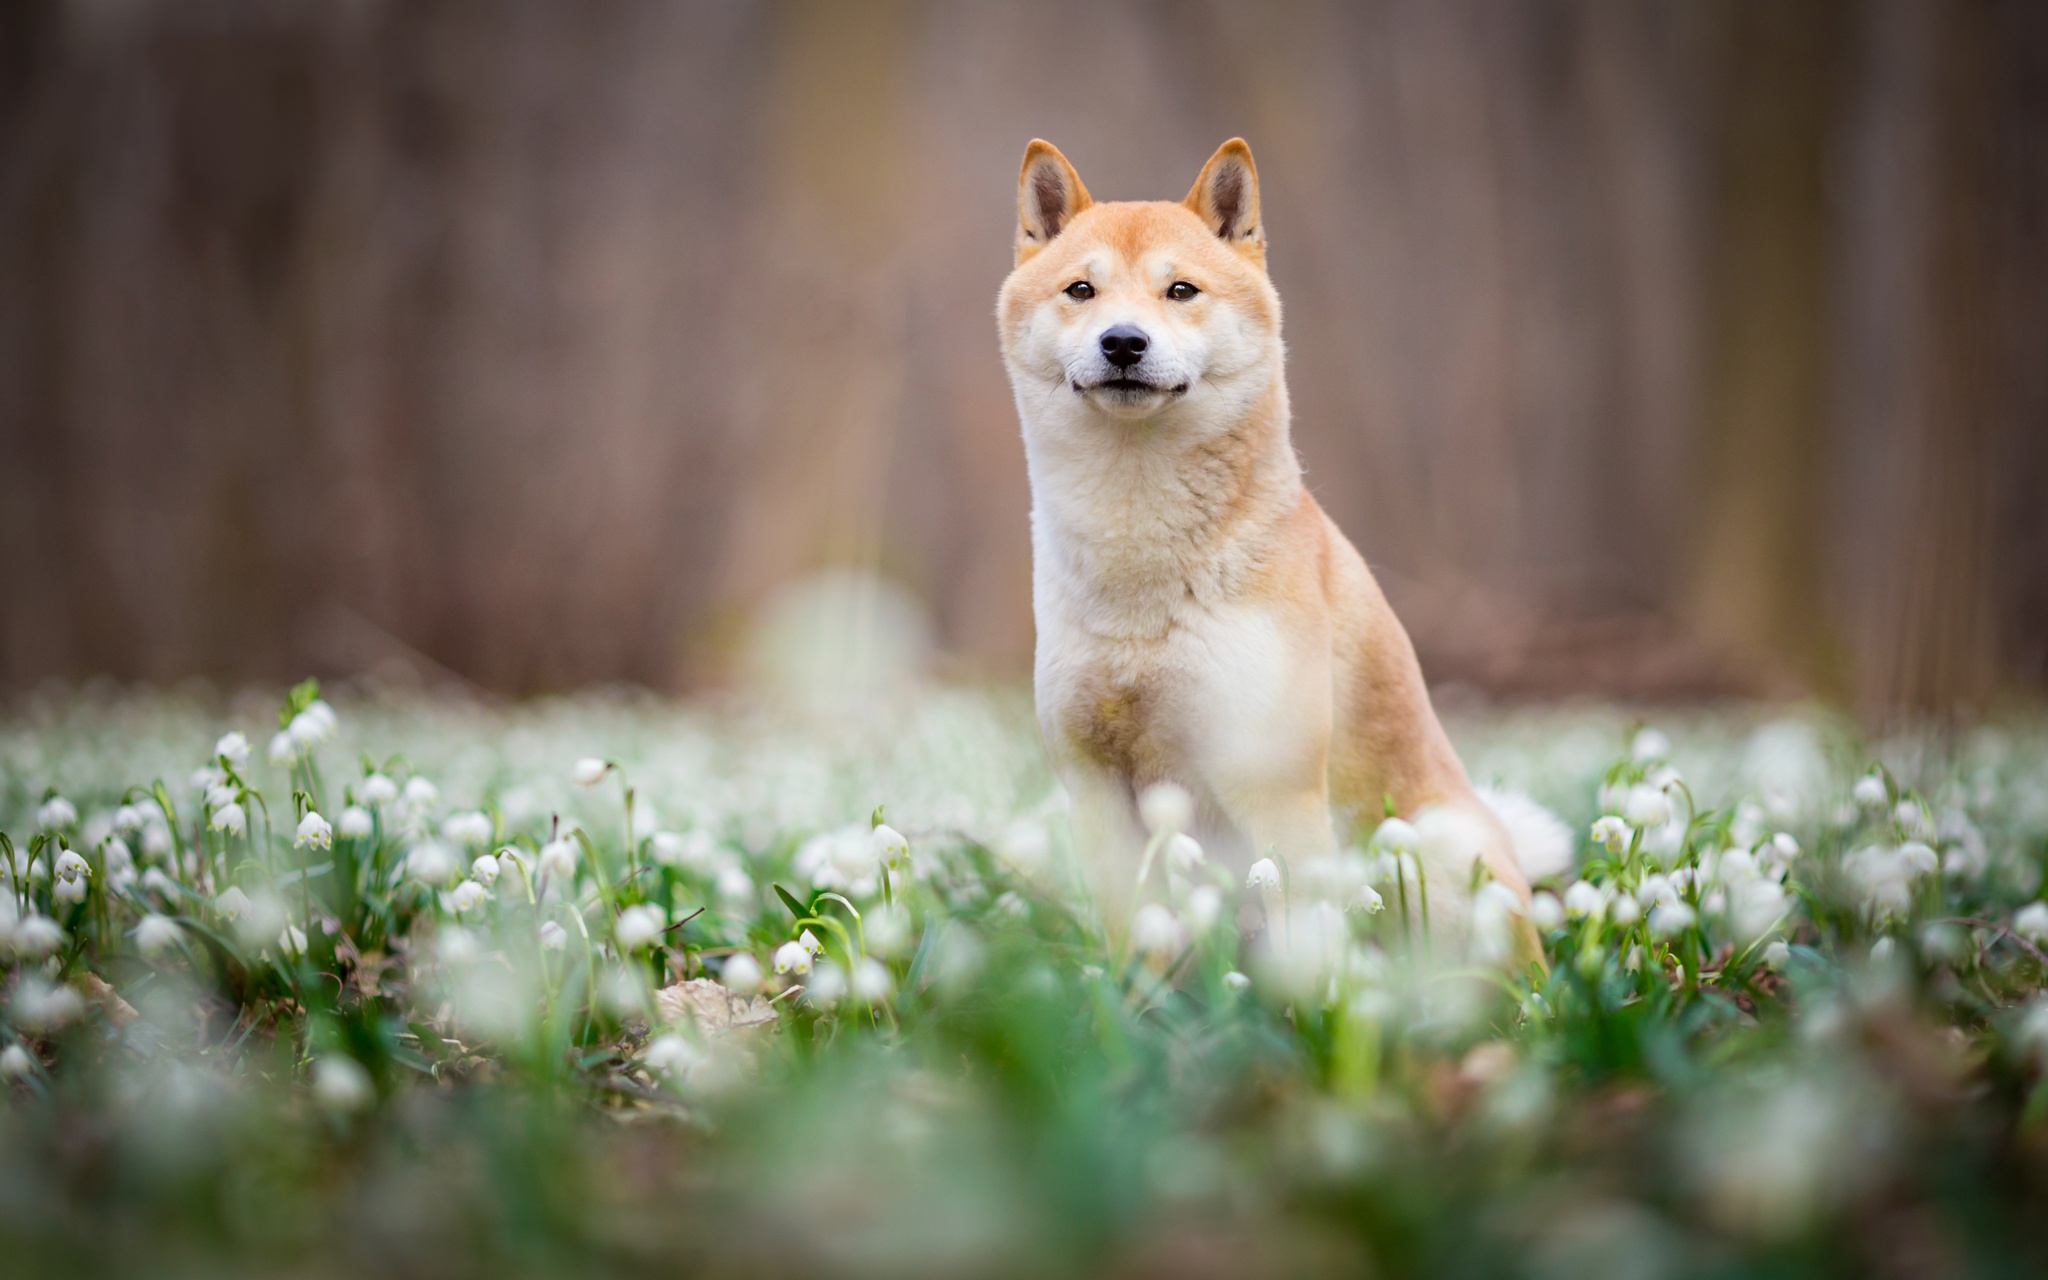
1226	197
1049	194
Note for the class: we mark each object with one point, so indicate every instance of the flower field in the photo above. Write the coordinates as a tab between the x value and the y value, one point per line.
412	986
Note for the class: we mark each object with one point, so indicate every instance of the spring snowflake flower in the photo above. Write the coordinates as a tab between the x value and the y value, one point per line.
639	927
1264	876
741	973
234	748
467	897
155	934
792	957
378	790
219	794
1396	835
1368	900
72	869
15	1062
42	1007
155	881
589	771
1237	982
1650	746
231	903
470	828
1546	912
56	813
1669	919
809	942
671	1055
735	885
36	936
1624	910
283	748
69	891
484	870
1777	955
1494	908
420	793
1166	808
828	985
355	823
1611	833
1584	898
156	840
1183	854
553	936
309	728
871	982
558	859
891	847
1154	931
1869	791
292	940
1646	806
341	1084
230	819
129	817
2031	922
1204	907
314	832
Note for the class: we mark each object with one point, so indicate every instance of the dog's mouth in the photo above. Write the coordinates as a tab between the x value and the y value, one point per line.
1131	388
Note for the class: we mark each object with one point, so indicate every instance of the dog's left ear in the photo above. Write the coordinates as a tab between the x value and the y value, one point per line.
1226	197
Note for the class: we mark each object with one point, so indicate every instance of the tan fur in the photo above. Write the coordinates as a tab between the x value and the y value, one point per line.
1200	619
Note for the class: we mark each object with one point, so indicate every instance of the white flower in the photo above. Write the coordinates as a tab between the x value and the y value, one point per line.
891	847
118	857
1787	848
638	927
1546	912
1237	981
420	793
15	1062
1494	908
553	936
341	1084
156	839
129	817
233	747
827	986
1624	910
1396	835
1869	791
1165	808
55	813
155	881
512	861
741	972
208	776
670	1055
484	870
1154	931
1611	833
1654	889
2031	922
356	823
232	903
155	933
473	827
314	832
71	868
219	794
589	771
307	729
39	1006
1777	955
37	935
792	957
378	790
230	819
69	891
1650	746
283	747
1183	854
558	859
1264	876
1883	949
872	981
666	848
1646	806
292	940
1584	898
1204	906
467	896
735	885
809	942
431	862
1669	919
1368	900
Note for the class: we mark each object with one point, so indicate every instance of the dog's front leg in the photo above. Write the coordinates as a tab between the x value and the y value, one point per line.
1108	838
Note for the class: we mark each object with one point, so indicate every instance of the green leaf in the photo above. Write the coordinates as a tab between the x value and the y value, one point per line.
796	908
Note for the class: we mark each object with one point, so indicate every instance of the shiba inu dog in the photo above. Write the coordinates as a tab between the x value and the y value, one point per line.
1200	620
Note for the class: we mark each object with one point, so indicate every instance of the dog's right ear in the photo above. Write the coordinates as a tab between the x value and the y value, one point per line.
1049	194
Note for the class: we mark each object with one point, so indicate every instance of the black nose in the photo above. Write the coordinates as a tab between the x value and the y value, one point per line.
1124	345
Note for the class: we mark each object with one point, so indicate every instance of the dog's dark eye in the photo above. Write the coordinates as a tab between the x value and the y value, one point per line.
1181	291
1080	291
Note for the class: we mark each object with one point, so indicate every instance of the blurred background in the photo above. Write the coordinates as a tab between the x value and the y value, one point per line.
1650	350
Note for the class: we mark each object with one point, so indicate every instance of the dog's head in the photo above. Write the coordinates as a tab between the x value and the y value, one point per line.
1152	310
